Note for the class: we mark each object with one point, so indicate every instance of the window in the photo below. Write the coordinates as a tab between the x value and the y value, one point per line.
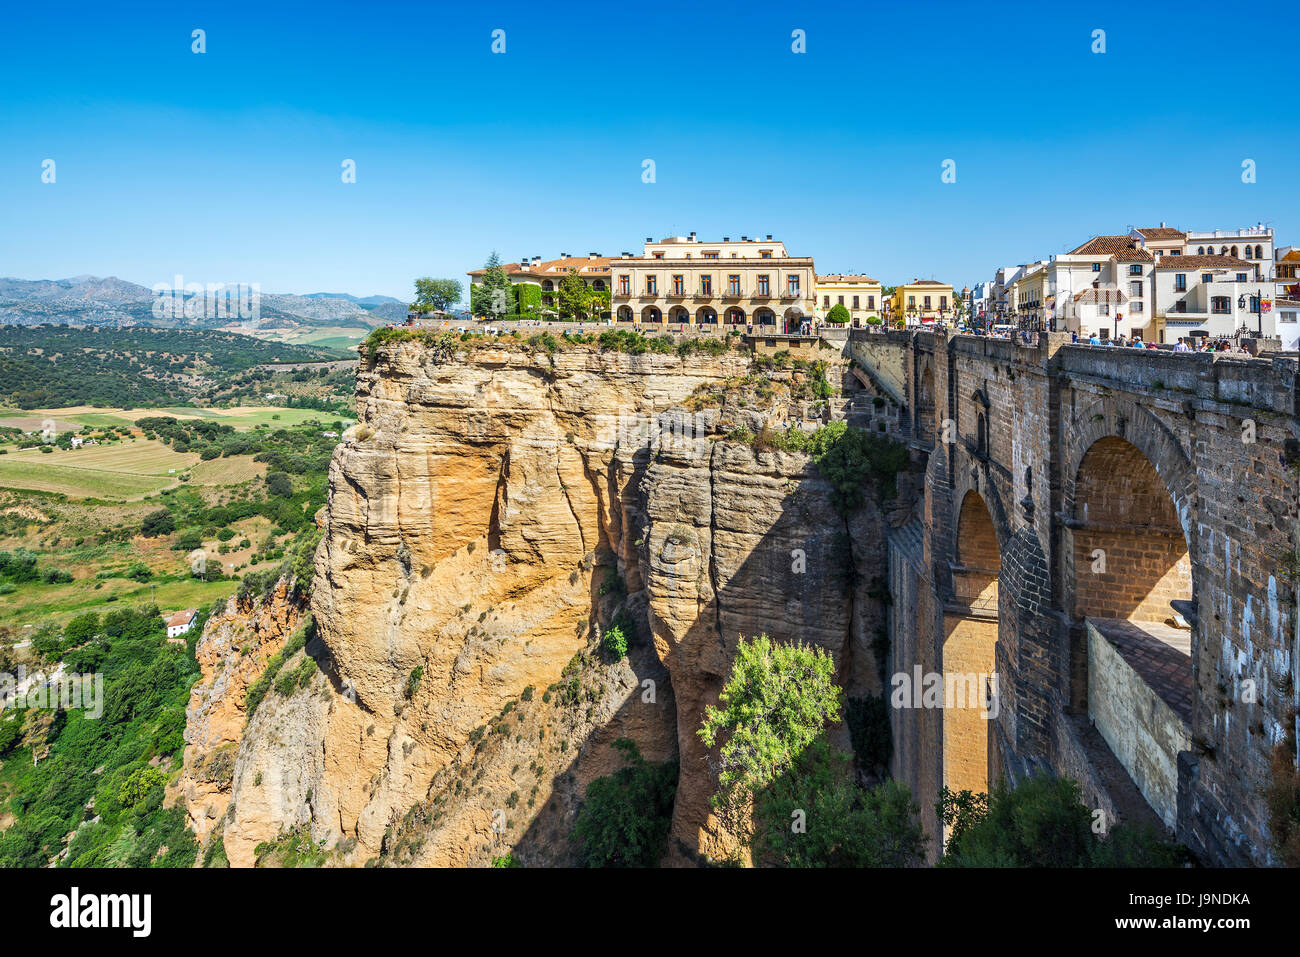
1096	267
1259	252
1254	303
871	302
911	302
943	302
1180	305
1234	251
679	284
659	255
733	284
1135	289
1180	282
624	285
1200	250
1135	269
764	288
652	285
1249	254
1219	304
1241	277
1207	277
841	300
927	302
710	255
765	254
826	302
855	302
1135	305
706	285
792	284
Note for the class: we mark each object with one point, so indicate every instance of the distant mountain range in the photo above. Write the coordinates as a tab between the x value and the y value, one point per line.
95	301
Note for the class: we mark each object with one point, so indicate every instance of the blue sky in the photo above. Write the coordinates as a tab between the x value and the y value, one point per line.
226	166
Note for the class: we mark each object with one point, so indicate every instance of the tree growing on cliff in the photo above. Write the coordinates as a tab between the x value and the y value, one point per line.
784	790
625	816
778	700
435	295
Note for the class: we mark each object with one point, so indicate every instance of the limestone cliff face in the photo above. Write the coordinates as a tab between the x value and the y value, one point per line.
232	652
490	513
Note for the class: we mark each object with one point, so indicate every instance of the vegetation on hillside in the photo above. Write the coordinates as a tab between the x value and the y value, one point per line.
625	817
87	790
48	366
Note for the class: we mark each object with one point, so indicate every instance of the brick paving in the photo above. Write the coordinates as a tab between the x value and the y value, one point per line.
1160	654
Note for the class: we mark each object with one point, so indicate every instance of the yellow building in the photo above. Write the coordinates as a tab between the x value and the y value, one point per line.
860	295
753	282
923	300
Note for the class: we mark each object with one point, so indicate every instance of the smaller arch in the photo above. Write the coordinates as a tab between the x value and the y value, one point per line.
679	314
1259	252
651	314
736	315
1234	250
764	317
705	315
625	314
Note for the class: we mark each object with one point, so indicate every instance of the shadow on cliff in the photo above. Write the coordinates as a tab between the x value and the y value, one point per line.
810	576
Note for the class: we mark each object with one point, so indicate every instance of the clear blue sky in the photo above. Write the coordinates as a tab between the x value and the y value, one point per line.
226	166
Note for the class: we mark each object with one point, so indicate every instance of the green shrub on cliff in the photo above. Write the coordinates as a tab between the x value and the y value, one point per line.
624	819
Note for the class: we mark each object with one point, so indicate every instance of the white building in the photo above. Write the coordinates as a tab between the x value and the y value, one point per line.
181	622
1213	296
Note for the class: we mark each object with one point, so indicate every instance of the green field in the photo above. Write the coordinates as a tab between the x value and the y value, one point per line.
126	471
58	603
240	417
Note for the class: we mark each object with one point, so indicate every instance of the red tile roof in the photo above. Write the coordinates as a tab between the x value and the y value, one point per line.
585	265
1187	263
182	617
1161	232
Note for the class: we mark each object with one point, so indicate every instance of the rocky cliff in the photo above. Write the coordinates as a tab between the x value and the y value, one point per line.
492	512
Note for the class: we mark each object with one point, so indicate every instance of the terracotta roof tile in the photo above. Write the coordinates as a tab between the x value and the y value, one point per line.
1161	232
1202	262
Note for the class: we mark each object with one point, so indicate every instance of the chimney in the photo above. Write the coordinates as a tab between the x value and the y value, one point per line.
769	237
649	239
744	239
593	255
692	237
564	255
726	239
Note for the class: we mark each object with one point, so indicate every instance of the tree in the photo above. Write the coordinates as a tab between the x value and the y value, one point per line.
491	295
575	297
157	523
279	484
841	824
625	816
435	295
778	700
1042	823
838	314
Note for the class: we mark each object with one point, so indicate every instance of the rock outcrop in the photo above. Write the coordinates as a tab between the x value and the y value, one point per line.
490	514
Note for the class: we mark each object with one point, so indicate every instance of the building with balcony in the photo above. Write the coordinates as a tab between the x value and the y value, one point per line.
1287	272
861	295
1211	296
546	275
681	279
923	301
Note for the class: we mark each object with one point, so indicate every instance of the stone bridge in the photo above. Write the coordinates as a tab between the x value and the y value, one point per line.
1101	572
